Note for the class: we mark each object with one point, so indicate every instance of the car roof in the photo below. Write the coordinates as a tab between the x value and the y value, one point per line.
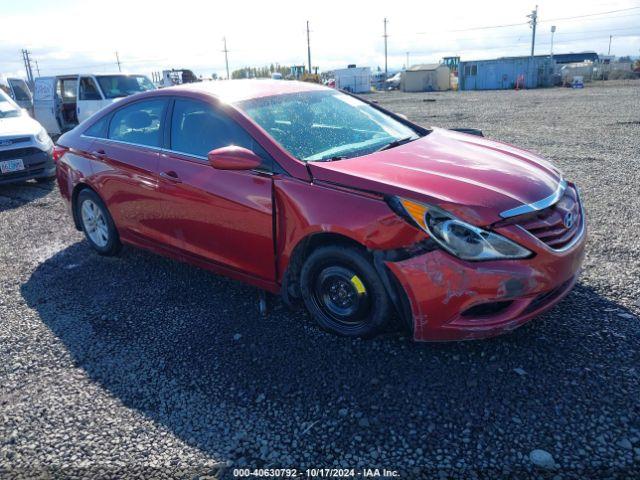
233	91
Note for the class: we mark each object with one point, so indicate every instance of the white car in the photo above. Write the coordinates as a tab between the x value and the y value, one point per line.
25	147
393	83
62	102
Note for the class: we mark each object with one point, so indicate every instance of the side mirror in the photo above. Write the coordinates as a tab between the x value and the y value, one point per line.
233	158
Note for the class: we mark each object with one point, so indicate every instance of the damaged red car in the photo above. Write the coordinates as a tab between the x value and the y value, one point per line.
331	200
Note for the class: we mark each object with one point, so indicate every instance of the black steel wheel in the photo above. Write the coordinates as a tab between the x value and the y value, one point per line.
343	292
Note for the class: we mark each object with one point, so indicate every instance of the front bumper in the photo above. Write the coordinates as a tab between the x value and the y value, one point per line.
38	164
453	299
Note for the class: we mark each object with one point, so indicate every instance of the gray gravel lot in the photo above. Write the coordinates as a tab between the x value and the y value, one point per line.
139	366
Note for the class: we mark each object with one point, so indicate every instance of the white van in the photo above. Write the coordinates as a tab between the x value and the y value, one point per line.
62	102
25	148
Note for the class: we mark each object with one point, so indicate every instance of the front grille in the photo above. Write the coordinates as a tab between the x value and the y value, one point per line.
18	153
13	141
14	176
557	225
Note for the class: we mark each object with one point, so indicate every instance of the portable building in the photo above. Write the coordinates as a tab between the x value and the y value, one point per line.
431	77
353	79
506	73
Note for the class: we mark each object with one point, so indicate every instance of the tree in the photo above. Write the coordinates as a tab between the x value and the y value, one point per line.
260	72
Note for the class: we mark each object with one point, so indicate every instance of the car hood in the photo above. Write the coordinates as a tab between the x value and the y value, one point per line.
18	126
471	176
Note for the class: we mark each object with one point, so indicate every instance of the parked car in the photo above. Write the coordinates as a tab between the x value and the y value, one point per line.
64	101
25	148
19	91
301	189
393	83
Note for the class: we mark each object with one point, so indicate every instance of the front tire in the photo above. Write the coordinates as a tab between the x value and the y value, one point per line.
97	224
343	292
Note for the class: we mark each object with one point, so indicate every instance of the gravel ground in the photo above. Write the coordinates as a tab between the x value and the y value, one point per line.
139	366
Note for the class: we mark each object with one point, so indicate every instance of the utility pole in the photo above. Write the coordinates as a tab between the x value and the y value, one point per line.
385	47
118	62
609	52
226	57
27	65
533	23
308	48
553	31
37	68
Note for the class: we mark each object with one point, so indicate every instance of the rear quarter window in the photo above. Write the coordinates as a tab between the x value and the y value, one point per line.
99	128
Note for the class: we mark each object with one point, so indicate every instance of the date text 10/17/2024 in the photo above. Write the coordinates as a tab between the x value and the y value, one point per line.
315	473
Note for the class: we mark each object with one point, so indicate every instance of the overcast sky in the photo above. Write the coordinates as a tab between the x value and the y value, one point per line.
69	36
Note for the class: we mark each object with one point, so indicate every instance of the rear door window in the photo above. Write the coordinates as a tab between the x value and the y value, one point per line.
67	89
139	123
197	128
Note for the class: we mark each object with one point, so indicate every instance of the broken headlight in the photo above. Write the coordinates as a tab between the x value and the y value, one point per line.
459	238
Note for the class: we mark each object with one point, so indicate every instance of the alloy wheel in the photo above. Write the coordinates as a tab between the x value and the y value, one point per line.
94	223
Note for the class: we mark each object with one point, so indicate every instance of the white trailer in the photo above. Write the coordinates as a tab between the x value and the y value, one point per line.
353	79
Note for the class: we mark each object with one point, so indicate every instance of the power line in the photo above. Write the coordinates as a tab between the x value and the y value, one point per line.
108	64
518	36
563	34
518	44
509	25
590	15
475	28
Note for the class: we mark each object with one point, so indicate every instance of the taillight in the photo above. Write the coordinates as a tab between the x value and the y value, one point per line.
58	152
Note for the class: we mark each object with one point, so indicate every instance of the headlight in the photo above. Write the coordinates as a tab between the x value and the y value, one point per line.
43	137
460	238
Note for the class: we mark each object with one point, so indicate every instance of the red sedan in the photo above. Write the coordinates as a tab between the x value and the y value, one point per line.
321	196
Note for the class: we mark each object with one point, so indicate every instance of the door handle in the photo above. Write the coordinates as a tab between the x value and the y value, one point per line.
171	176
99	153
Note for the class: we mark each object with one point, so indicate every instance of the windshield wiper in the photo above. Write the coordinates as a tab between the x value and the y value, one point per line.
330	159
396	143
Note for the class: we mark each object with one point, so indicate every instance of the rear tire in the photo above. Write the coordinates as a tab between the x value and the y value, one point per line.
97	224
343	292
